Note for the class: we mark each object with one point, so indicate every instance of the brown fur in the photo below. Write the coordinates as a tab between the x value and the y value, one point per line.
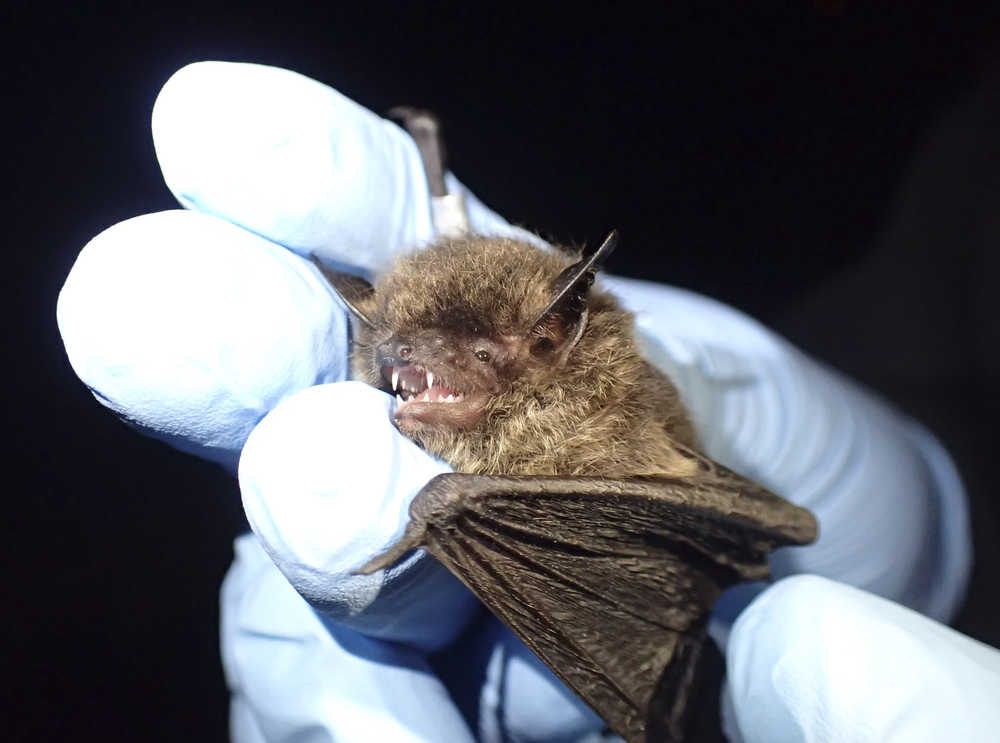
599	409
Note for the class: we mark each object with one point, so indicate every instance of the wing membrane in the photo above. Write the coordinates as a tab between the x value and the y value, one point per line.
606	580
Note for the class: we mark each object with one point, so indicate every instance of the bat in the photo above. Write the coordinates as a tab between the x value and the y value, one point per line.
581	511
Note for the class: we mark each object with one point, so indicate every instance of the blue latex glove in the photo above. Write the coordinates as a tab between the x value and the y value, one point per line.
193	325
814	660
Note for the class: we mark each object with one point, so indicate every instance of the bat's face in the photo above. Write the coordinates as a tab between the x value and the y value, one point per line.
445	375
501	357
456	327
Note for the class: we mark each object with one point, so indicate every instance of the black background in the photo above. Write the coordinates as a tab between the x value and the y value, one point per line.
828	168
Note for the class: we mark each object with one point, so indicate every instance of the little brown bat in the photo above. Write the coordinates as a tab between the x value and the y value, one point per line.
494	381
581	512
584	517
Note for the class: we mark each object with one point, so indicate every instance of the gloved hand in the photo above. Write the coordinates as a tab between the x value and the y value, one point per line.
814	660
192	325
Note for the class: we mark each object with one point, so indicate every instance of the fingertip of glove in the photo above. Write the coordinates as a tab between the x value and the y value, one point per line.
327	479
192	329
292	159
815	659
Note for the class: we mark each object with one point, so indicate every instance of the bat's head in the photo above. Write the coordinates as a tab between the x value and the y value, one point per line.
454	327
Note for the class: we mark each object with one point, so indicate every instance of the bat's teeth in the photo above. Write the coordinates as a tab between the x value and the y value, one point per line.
450	398
399	399
395	379
430	379
426	397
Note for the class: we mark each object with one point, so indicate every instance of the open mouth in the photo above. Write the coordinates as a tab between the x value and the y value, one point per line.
426	398
413	383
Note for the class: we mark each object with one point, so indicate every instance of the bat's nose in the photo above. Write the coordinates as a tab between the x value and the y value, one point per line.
394	352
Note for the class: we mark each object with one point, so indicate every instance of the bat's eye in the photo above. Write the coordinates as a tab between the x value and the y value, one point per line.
542	347
483	356
476	330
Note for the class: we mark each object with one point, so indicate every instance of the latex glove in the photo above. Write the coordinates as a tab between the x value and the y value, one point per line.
813	660
299	165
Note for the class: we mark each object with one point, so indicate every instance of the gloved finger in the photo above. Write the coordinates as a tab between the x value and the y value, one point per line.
293	678
892	511
191	329
814	660
295	161
327	481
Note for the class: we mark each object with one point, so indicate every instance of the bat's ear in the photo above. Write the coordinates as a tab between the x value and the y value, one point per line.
356	293
566	312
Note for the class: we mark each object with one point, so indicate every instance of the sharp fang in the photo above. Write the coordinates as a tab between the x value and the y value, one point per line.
427	397
430	379
399	399
450	398
395	379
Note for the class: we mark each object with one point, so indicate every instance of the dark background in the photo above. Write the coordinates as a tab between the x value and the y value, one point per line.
828	168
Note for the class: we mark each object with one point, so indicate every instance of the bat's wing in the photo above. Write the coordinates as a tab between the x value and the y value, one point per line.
606	580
